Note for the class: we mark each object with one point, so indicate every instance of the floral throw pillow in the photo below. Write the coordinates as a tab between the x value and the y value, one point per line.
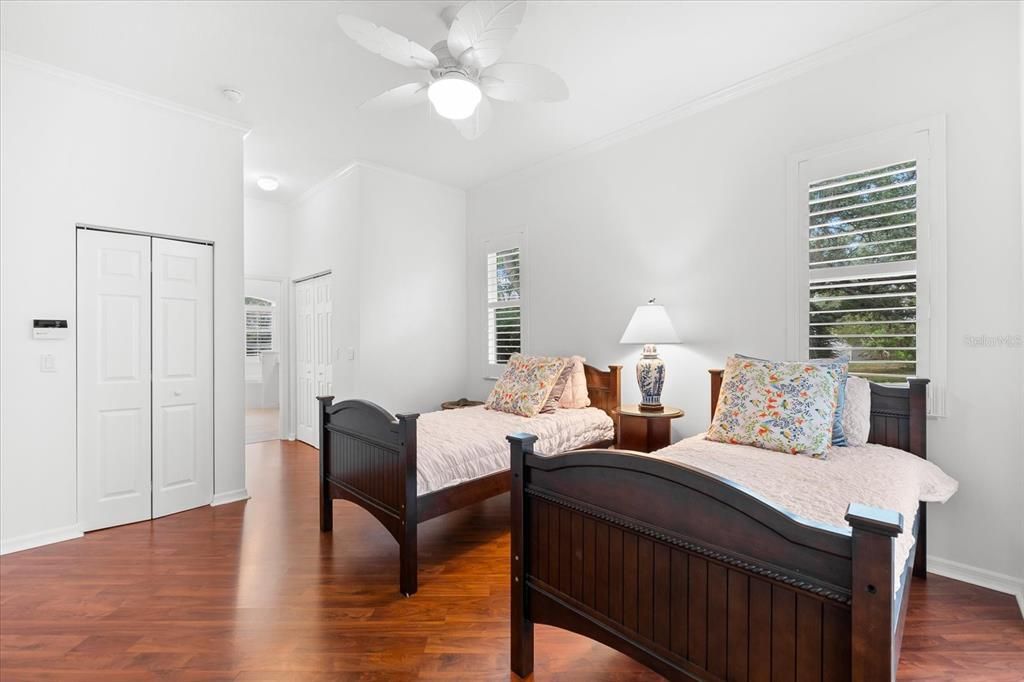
525	385
783	406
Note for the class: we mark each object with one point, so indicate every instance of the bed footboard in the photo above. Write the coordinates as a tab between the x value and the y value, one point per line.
694	576
368	456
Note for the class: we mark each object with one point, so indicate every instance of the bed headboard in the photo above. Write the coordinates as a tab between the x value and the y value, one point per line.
604	388
898	413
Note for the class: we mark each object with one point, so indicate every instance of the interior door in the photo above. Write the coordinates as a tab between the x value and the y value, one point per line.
114	464
182	376
313	368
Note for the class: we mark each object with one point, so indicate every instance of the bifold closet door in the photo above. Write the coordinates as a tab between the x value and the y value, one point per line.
182	376
114	390
313	370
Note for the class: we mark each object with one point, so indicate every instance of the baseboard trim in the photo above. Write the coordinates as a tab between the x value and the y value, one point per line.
981	577
229	497
46	537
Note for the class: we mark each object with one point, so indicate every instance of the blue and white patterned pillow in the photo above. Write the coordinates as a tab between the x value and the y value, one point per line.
842	366
782	406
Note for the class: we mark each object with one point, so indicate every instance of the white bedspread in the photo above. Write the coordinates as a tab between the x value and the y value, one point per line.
821	489
455	446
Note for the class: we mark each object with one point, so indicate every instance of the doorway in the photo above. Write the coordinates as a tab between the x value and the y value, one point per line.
145	377
264	345
313	366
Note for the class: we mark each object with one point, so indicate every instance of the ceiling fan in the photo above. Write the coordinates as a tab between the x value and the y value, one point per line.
463	72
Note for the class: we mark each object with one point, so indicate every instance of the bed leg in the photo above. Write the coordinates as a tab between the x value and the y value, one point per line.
408	581
921	549
326	501
326	509
873	647
409	507
522	626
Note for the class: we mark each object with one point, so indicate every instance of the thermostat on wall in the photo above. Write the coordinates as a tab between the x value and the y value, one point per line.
49	329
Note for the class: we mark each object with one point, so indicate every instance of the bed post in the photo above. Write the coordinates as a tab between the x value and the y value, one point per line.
919	446
615	385
873	649
716	388
408	506
326	502
522	626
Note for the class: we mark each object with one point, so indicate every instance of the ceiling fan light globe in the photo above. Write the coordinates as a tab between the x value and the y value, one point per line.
454	97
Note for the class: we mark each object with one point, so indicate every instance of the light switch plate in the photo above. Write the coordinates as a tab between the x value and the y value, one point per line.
47	363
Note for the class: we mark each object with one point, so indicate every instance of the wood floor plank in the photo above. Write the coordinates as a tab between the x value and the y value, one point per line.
253	591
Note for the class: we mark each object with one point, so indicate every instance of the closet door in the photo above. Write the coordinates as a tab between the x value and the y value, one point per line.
182	376
313	369
113	378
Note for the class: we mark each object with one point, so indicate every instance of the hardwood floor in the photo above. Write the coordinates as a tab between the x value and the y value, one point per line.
261	424
253	591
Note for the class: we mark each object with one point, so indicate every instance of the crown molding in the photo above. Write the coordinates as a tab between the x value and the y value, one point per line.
326	180
745	87
19	60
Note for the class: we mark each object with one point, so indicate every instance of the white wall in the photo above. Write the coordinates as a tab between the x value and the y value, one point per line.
694	213
74	152
267	239
396	247
412	314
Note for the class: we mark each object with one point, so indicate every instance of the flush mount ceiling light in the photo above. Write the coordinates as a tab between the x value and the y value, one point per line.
267	183
234	96
454	96
461	74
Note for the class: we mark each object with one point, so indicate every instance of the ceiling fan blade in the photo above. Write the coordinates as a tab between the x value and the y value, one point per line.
386	43
397	98
523	83
475	126
482	29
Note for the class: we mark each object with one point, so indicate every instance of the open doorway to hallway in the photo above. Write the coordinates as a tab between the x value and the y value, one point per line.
264	335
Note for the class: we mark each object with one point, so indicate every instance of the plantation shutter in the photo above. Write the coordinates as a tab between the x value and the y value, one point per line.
863	275
259	329
504	305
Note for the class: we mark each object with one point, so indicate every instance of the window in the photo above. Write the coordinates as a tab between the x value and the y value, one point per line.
504	304
259	325
870	255
863	276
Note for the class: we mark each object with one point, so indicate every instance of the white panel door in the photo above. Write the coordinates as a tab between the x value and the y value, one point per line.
182	376
113	378
313	371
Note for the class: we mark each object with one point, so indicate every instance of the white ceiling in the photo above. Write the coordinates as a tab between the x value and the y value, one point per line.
302	78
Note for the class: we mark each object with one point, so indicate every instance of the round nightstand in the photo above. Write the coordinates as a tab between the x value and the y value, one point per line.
645	431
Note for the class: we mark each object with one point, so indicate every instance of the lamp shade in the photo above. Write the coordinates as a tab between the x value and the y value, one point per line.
650	324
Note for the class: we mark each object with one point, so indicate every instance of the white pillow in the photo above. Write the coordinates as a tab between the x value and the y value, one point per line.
857	412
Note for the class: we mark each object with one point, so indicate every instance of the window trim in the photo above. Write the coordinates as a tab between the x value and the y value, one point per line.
511	240
926	139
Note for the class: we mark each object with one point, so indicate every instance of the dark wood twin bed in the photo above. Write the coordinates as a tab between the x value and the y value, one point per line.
368	456
686	572
698	578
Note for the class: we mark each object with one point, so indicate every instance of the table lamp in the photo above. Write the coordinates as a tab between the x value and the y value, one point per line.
649	326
